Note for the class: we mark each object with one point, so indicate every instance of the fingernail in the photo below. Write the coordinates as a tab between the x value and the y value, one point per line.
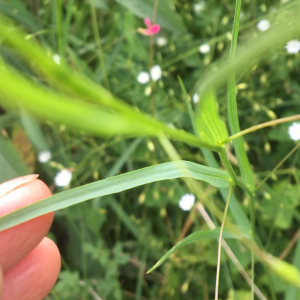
15	183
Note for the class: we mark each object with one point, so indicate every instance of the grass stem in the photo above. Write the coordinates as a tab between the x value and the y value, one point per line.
220	245
262	125
98	43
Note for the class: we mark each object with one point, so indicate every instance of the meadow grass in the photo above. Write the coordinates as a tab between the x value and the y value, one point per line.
86	119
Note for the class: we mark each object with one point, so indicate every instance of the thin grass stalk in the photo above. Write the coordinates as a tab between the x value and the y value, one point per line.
98	43
229	252
59	26
278	166
262	125
220	244
246	172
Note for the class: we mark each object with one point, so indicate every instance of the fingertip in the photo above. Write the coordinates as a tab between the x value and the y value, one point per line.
35	275
18	241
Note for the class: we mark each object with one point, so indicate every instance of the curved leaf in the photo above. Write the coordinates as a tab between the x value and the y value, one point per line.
194	237
114	185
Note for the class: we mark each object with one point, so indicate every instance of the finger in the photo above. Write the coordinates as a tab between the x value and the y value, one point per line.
18	241
1	282
35	275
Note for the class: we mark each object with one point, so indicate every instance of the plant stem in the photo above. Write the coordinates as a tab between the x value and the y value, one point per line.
59	26
233	120
229	252
220	244
280	163
228	167
98	42
260	126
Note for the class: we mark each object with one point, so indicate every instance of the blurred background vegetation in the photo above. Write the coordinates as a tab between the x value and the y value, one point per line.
108	244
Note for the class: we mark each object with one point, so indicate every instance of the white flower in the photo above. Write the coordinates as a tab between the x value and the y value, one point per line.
44	156
195	98
285	1
293	46
161	41
187	201
155	73
199	6
263	25
63	178
205	48
294	131
56	59
143	77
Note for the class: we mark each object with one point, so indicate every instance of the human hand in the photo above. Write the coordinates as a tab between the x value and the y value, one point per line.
30	262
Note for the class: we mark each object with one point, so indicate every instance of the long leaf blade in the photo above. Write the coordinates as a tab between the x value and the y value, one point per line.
194	237
114	185
246	171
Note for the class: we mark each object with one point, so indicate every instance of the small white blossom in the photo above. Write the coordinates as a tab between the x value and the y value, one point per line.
263	25
143	77
56	59
198	7
155	72
294	131
285	1
195	98
161	41
187	201
44	156
293	46
205	48
63	178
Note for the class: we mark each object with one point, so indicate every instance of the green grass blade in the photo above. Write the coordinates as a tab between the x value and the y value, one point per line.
124	158
253	50
65	110
34	132
12	158
203	235
65	79
8	119
114	185
293	292
17	10
66	27
188	104
9	172
234	206
246	171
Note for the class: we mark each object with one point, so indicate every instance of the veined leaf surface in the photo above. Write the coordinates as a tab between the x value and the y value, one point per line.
114	185
208	123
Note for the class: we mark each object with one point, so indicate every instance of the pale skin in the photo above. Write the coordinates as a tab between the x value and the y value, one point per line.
29	261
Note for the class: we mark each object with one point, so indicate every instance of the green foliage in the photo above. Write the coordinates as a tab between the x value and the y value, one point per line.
194	237
165	16
116	184
99	122
208	123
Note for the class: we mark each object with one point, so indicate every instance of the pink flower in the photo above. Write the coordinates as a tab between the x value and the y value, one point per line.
151	29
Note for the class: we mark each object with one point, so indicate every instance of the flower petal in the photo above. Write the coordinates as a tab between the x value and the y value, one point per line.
147	22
